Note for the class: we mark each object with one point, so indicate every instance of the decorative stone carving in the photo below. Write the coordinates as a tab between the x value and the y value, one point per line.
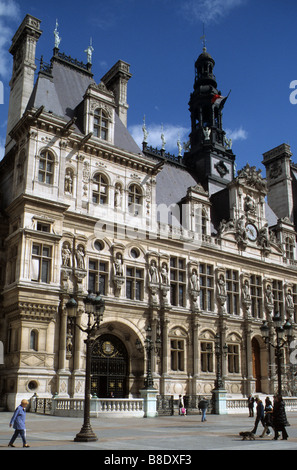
118	273
221	291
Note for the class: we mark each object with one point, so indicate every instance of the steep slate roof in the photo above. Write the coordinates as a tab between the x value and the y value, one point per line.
62	92
172	184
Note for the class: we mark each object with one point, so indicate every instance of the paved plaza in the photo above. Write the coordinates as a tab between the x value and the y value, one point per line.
173	434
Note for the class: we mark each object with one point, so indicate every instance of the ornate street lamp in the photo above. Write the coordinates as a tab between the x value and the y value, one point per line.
219	383
149	346
94	308
283	336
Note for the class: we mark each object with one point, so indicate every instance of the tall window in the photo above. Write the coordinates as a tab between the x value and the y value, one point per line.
100	124
177	355
206	356
98	276
232	283
134	200
289	248
46	168
177	281
34	340
207	287
100	185
41	263
256	296
134	283
233	358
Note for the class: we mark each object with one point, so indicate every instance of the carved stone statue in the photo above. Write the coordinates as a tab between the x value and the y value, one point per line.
194	281
68	185
118	266
66	255
164	275
153	273
246	294
89	52
206	133
80	257
57	37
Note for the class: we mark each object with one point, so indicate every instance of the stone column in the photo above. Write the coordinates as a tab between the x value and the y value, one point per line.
62	374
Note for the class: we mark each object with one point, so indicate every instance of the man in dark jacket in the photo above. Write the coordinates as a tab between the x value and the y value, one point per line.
259	415
203	405
279	418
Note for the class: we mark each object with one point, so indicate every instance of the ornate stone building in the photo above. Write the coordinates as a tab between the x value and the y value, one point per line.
182	245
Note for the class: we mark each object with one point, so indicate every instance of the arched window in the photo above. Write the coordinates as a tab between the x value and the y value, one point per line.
100	124
34	340
46	168
134	200
100	185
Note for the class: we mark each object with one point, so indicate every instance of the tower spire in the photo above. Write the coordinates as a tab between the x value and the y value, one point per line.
203	39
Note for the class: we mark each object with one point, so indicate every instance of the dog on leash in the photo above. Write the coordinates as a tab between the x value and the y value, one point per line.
247	435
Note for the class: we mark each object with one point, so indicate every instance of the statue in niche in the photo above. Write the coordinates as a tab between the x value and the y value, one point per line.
153	273
164	275
118	266
80	257
289	300
68	185
66	255
246	293
269	295
194	281
221	286
117	196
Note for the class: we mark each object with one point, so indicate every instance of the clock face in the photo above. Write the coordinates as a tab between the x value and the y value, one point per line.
251	232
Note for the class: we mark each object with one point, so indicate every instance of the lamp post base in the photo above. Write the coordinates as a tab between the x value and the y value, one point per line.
86	434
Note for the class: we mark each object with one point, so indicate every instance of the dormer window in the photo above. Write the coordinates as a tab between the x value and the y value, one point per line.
100	124
134	200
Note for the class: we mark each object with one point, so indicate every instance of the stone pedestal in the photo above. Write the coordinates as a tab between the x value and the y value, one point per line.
149	396
219	399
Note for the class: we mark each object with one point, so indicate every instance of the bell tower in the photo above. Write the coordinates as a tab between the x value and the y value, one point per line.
210	157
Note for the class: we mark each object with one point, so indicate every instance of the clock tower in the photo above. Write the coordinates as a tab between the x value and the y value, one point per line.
210	158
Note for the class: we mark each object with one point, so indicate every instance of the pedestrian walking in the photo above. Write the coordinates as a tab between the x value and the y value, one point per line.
181	404
251	402
268	410
279	418
203	405
259	414
18	421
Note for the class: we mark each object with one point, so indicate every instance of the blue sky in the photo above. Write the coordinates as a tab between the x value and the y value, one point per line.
254	45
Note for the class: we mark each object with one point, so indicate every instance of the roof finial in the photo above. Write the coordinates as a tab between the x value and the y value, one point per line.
203	38
57	37
90	51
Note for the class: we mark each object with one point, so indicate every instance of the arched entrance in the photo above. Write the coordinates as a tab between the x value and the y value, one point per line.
109	367
256	364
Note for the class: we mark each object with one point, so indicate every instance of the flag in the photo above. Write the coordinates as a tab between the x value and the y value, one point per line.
218	100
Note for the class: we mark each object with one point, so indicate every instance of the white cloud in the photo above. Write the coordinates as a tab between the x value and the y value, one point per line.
2	148
208	11
236	134
9	12
171	133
